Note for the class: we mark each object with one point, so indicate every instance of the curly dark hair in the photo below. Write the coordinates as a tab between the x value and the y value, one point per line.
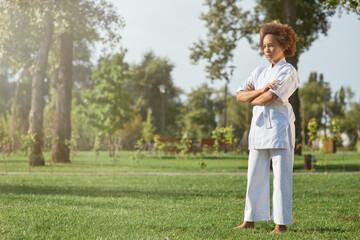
283	33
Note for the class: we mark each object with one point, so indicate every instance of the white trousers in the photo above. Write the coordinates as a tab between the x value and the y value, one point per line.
257	206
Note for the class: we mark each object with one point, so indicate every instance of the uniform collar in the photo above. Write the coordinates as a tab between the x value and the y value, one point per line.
279	63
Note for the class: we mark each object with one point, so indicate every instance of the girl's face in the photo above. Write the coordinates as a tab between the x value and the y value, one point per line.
272	49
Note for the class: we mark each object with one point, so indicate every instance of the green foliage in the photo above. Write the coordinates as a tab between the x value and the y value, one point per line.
350	123
225	135
27	143
238	113
142	86
47	143
184	146
159	146
6	90
139	146
131	133
72	144
348	5
358	146
97	145
148	128
22	26
312	127
202	164
199	113
108	106
313	95
335	130
79	125
338	105
226	25
4	141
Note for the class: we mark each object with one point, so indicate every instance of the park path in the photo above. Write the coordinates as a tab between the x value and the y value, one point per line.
163	173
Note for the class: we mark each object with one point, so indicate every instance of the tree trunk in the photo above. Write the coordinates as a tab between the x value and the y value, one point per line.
37	95
12	146
289	17
225	104
62	117
295	103
111	146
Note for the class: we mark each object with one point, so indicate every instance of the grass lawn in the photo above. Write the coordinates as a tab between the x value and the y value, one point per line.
174	207
125	162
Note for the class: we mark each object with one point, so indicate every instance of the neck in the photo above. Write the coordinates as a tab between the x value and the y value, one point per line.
276	61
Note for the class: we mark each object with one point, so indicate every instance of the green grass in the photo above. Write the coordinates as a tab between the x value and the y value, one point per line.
123	162
178	207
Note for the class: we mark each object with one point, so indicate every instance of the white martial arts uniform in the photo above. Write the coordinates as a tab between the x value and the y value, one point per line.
272	136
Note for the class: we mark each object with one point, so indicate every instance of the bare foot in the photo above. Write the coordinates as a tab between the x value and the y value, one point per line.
279	229
245	225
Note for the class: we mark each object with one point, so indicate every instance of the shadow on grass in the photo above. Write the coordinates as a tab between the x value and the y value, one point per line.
330	167
207	157
113	192
320	230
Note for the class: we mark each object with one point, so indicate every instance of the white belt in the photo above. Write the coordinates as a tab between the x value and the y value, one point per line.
264	117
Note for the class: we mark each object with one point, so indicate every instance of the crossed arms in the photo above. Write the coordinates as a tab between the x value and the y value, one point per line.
258	97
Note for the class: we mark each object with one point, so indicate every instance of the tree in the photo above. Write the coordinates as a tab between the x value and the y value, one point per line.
23	30
60	152
108	106
348	5
226	24
351	124
5	94
78	21
143	87
314	95
239	117
199	113
338	106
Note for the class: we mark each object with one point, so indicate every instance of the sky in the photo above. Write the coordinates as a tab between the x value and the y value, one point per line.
169	28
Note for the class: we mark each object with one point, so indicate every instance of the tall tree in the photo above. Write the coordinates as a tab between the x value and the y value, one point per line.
338	105
351	124
198	113
37	98
109	107
314	96
60	152
22	29
78	20
226	24
143	86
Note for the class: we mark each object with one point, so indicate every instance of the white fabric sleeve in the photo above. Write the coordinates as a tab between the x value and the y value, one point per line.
250	79
289	82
